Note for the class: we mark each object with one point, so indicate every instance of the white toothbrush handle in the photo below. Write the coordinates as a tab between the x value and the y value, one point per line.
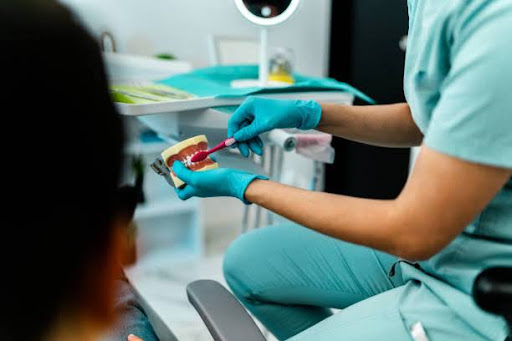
230	142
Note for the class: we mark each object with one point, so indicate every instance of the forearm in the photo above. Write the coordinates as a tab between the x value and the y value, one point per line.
381	125
434	207
365	222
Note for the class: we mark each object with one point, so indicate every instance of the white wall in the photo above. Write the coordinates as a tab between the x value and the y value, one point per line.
182	27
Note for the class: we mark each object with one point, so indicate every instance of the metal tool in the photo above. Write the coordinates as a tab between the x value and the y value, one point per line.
160	168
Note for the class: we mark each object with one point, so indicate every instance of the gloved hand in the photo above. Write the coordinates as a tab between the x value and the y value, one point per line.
213	183
259	115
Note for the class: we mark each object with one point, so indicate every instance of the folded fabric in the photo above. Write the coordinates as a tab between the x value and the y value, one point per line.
216	81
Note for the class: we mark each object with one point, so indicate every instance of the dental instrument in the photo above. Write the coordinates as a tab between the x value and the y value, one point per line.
201	155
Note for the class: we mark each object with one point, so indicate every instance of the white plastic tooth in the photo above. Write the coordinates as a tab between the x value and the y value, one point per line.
188	161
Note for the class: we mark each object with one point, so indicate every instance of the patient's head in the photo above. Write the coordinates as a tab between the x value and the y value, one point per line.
61	146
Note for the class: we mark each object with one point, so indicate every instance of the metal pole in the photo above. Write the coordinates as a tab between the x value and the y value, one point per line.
264	62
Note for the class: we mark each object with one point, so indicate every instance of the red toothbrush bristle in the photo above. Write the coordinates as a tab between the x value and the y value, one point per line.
199	157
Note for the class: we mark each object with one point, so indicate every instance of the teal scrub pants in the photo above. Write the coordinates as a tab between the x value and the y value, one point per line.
289	277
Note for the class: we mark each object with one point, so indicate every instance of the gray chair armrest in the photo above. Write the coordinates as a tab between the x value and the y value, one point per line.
224	316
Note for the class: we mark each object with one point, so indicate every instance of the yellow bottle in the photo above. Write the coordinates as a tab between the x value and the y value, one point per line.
281	68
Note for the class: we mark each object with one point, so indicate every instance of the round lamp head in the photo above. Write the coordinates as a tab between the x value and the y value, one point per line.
267	12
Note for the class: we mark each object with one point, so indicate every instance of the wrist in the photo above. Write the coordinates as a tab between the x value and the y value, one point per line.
248	182
255	190
311	114
332	115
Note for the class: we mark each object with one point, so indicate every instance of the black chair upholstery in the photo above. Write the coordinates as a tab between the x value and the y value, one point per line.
493	292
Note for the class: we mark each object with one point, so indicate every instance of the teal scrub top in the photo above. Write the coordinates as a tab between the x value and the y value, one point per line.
458	83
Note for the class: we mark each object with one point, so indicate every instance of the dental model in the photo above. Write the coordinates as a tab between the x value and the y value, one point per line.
184	151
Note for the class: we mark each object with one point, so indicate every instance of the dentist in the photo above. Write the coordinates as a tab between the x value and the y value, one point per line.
398	267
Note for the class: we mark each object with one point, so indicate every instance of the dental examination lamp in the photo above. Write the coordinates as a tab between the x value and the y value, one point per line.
265	13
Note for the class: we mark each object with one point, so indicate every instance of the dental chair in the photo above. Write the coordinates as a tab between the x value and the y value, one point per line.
227	320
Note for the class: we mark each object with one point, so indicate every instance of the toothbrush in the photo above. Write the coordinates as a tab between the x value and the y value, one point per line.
204	154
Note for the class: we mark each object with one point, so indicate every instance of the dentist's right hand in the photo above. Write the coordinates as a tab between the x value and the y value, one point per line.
259	115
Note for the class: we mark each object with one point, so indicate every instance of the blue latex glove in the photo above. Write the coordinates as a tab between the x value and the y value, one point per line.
213	183
259	115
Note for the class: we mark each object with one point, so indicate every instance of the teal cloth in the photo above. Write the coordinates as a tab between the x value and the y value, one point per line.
216	81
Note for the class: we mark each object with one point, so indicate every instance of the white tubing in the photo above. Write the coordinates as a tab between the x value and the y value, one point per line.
283	140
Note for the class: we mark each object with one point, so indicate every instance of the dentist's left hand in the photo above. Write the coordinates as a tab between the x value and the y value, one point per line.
213	183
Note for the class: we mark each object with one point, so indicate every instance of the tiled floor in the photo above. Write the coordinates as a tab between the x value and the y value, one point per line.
163	286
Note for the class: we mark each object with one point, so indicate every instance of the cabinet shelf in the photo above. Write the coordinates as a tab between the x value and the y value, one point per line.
145	148
164	208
